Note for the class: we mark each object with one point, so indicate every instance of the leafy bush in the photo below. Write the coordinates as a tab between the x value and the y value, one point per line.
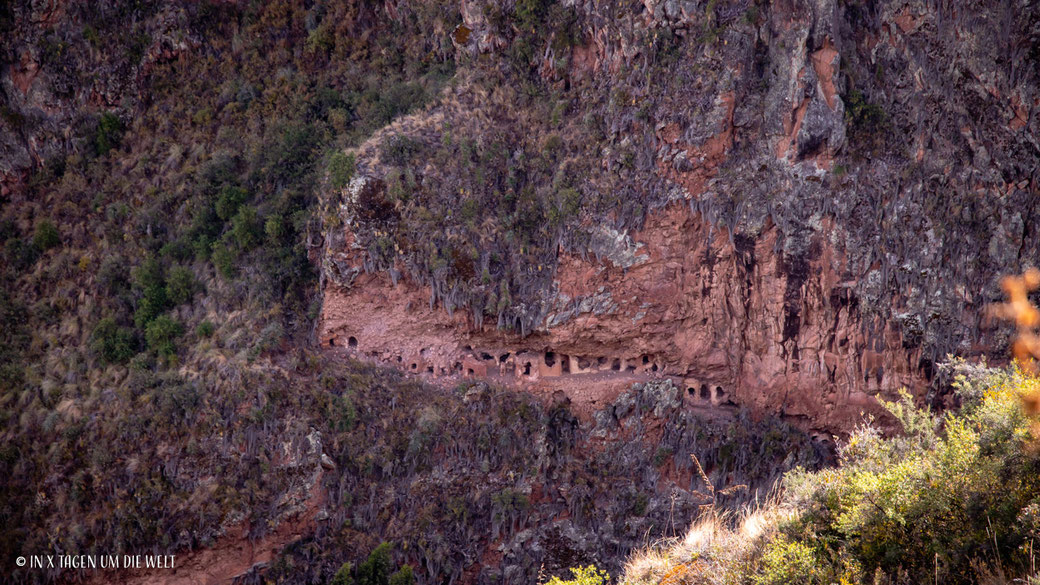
202	245
181	285
342	576
112	343
161	335
341	169
149	280
590	575
223	259
861	112
246	228
275	228
320	40
178	250
46	235
789	563
404	576
205	329
290	160
228	201
529	13
108	134
948	498
376	569
380	108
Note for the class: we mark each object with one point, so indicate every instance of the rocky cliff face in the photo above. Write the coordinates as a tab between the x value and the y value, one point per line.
814	201
714	316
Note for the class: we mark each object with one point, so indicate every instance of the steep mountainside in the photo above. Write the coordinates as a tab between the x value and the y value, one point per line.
801	205
282	280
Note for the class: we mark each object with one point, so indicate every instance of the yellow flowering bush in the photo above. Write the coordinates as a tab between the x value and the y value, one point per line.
590	575
952	496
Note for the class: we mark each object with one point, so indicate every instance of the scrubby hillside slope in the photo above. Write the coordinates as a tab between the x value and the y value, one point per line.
952	500
161	393
760	208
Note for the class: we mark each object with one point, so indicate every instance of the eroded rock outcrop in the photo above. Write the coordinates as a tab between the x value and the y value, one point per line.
708	312
794	251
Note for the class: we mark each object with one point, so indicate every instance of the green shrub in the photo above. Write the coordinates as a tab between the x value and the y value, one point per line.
566	31
202	245
246	228
202	117
926	503
149	275
161	334
341	169
275	227
788	563
108	134
320	40
530	13
179	250
206	226
46	235
148	279
404	576
339	119
570	202
861	112
378	108
228	201
181	285
223	259
290	160
112	343
205	329
342	576
376	569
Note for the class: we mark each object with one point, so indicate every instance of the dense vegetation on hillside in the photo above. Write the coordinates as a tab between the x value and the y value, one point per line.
158	294
156	276
159	285
954	499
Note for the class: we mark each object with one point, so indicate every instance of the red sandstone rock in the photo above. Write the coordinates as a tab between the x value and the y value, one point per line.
719	323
